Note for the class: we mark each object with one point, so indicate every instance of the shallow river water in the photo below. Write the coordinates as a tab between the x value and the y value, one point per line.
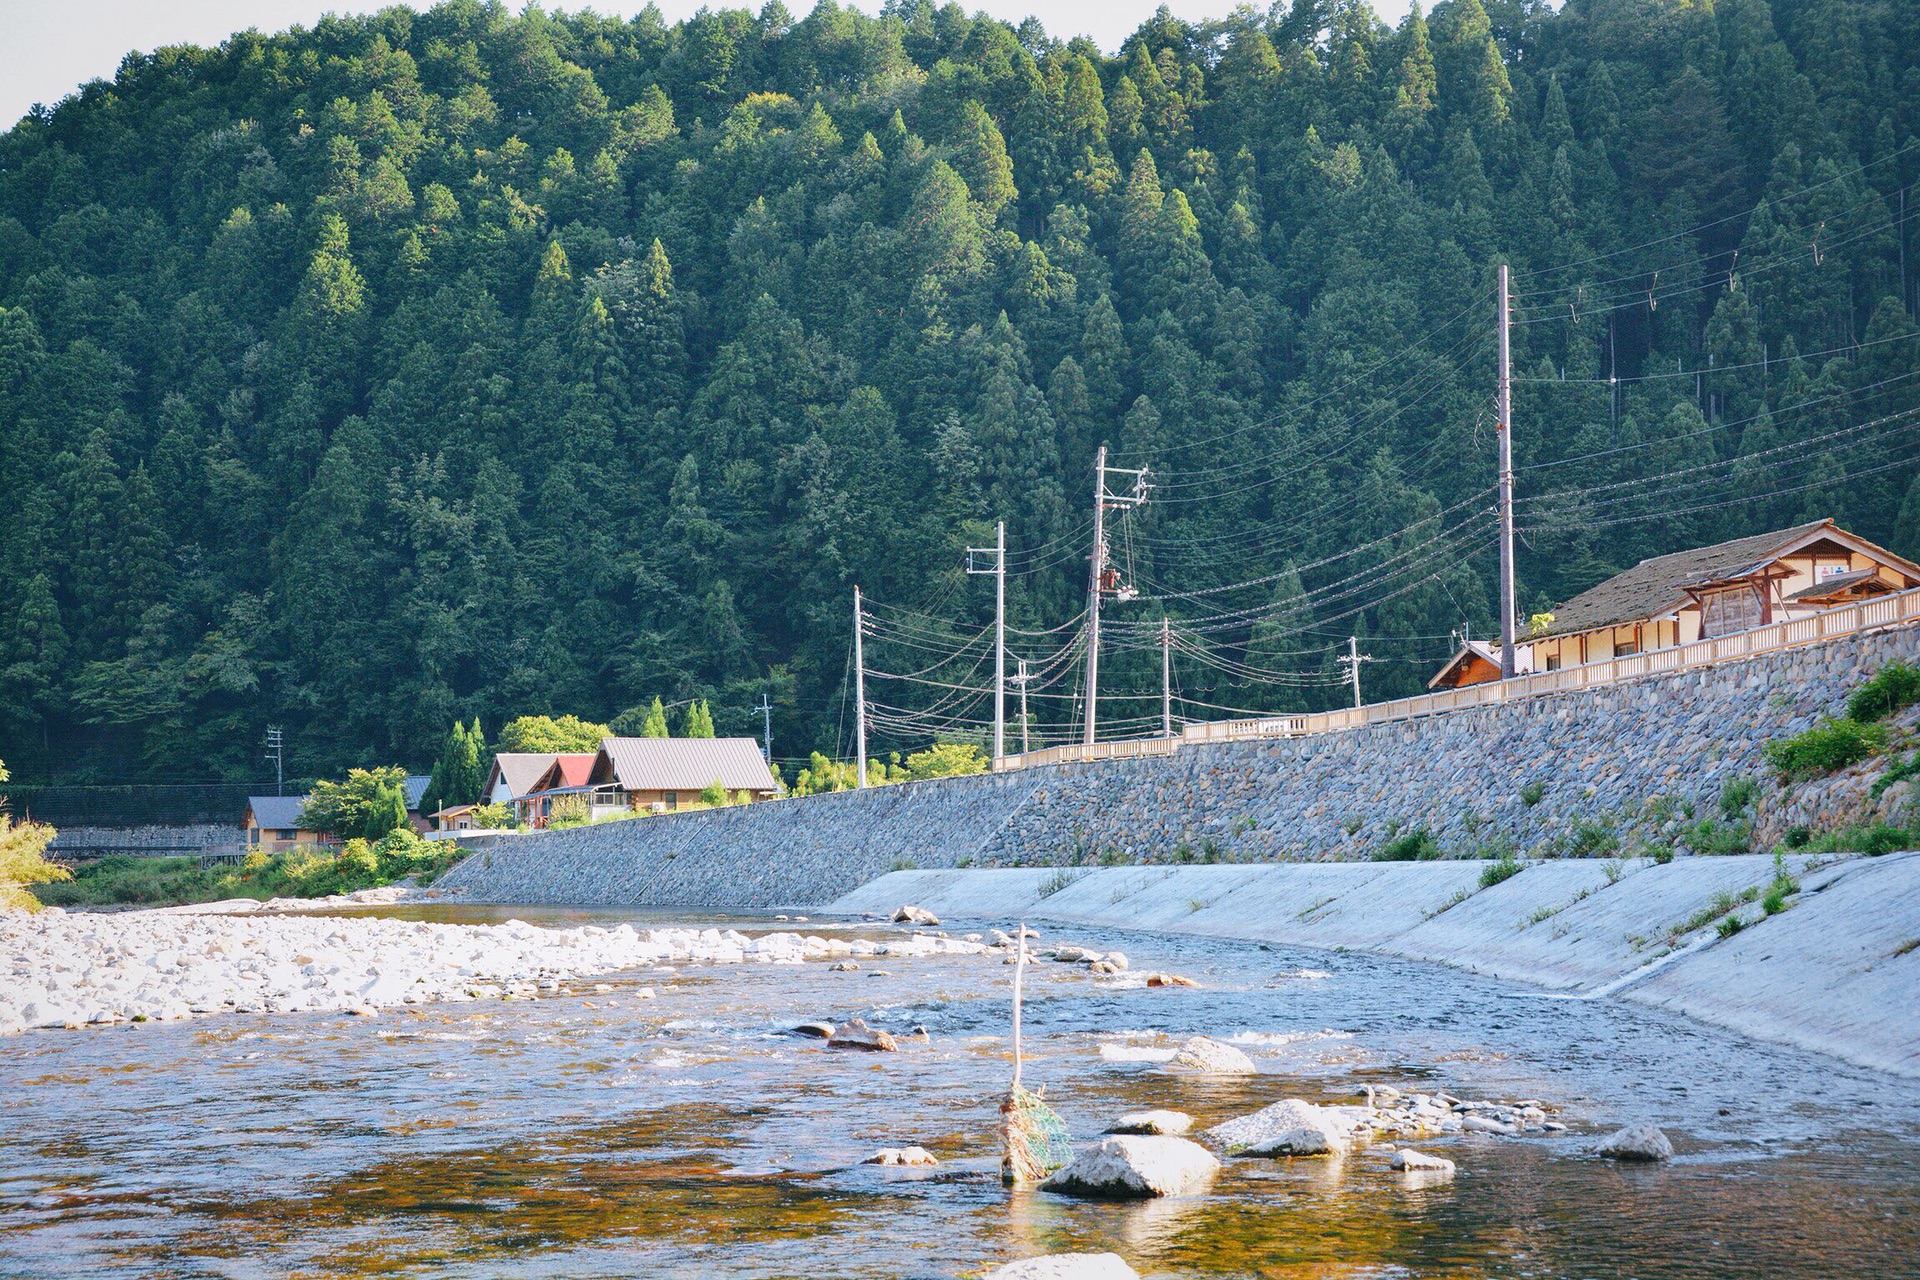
600	1134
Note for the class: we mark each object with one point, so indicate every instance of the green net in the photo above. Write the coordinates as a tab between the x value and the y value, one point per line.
1037	1139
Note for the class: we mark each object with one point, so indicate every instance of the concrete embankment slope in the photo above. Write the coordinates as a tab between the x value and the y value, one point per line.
1632	763
1838	972
774	854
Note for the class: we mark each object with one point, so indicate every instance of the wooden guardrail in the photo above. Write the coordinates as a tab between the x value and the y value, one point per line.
1794	633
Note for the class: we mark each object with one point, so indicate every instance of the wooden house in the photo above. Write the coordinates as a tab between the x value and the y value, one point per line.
565	775
513	775
272	824
1694	595
664	774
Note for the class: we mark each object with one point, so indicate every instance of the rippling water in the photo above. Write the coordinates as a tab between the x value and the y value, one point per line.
687	1135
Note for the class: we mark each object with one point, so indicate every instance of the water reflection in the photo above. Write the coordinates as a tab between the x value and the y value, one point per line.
607	1134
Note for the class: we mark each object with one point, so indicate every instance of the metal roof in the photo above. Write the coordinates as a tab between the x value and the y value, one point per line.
683	764
276	813
417	784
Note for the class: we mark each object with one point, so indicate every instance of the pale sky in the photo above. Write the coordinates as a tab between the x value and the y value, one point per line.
49	48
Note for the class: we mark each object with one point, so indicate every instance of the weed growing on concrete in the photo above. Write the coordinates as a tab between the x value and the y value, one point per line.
1783	887
1112	858
1418	845
1352	825
1723	903
1533	793
1589	838
904	864
1459	896
1905	948
1305	915
1710	835
1730	926
1660	855
1196	905
1737	797
1503	869
1059	880
1614	869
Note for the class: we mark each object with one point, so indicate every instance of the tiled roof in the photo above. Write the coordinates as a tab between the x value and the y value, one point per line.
685	764
1657	586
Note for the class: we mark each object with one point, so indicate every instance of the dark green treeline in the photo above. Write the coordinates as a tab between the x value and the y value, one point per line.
458	363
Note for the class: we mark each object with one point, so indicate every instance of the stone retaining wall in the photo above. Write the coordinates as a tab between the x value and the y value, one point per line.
148	841
1631	763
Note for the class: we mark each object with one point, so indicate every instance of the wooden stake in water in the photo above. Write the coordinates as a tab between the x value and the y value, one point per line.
1036	1136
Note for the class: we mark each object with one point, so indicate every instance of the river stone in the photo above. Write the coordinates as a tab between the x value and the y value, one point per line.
1077	955
1135	1168
1170	1124
1213	1058
1411	1161
1481	1124
818	1030
858	1035
1067	1266
1287	1128
901	1156
1169	980
911	914
1638	1142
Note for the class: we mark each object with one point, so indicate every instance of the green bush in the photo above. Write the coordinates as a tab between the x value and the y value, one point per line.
714	794
1709	835
1737	797
1799	836
1417	845
1531	794
1661	854
1730	926
1504	869
1590	838
569	811
1829	746
357	861
1894	687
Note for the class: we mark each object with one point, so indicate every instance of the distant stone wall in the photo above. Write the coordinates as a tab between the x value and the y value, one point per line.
1637	760
148	842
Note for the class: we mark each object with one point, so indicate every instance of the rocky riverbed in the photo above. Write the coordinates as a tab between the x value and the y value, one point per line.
71	970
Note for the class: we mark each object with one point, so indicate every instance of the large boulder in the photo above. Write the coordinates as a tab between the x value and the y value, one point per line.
1067	1266
1170	1124
1290	1128
1641	1143
1135	1168
911	914
856	1034
1213	1058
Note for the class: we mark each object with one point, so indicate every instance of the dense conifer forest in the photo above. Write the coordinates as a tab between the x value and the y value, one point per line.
467	364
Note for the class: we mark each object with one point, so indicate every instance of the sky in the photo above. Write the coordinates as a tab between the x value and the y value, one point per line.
49	48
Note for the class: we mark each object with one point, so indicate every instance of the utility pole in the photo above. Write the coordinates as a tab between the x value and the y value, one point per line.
276	752
1352	662
1166	678
999	572
1098	578
1503	434
1021	680
859	689
766	718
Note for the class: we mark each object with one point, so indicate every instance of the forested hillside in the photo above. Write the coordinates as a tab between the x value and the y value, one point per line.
462	363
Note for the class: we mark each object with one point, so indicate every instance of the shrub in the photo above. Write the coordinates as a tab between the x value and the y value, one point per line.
1828	746
1737	797
1712	836
494	816
1882	839
1495	872
946	760
1591	838
1417	845
569	811
1661	854
22	861
1799	836
255	862
1531	794
357	860
715	794
1894	687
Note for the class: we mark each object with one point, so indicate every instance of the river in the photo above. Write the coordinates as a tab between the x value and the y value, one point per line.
604	1134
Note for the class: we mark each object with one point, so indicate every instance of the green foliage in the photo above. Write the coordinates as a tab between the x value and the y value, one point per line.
1829	746
1589	838
1737	796
715	795
460	771
368	804
1501	870
1413	846
569	811
302	873
1730	926
1893	688
1533	793
946	760
1901	770
655	725
541	734
1875	841
495	817
698	722
493	361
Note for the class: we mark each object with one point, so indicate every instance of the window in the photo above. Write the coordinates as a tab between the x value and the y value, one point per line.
1553	662
671	798
1724	612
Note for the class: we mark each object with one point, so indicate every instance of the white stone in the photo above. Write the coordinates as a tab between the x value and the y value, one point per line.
1291	1127
901	1156
910	914
1212	1057
1135	1168
1409	1160
1163	1123
1067	1266
1641	1142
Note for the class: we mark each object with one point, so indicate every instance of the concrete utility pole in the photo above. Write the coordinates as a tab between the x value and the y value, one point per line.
276	752
1166	678
859	689
1021	680
1352	662
1503	435
1096	579
766	715
999	572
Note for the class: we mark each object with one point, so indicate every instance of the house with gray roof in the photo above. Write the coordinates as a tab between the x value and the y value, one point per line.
1698	594
664	774
272	824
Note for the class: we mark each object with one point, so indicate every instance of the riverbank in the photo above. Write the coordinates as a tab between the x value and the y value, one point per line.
1832	968
71	970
